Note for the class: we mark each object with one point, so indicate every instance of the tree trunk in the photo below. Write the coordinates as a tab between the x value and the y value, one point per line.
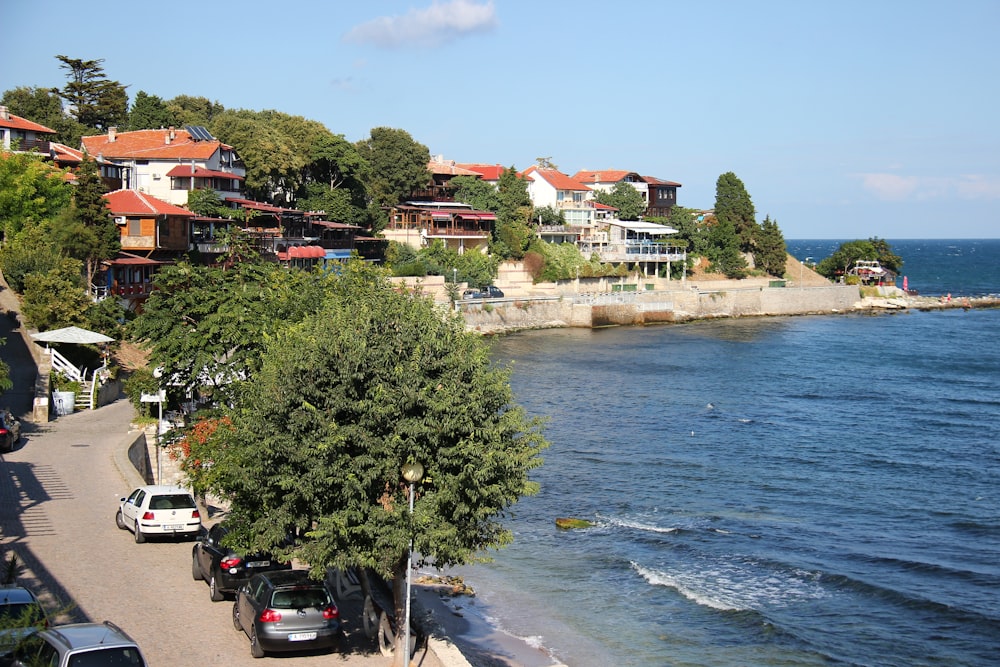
399	605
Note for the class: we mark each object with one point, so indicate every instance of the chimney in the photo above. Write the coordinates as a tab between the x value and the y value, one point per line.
4	113
173	135
112	134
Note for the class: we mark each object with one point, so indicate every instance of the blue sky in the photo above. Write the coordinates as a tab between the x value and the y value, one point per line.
844	120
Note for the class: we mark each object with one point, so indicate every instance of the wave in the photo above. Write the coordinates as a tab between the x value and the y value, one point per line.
638	525
736	584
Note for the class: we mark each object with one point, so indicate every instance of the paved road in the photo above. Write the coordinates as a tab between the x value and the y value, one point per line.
58	497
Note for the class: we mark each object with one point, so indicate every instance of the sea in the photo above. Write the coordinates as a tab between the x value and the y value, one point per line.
809	490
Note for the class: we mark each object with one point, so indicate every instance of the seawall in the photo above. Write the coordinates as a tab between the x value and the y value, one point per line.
654	307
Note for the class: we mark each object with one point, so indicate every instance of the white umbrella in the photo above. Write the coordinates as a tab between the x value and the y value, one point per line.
71	335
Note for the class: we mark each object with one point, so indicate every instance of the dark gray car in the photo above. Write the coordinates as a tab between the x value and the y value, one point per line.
224	569
287	611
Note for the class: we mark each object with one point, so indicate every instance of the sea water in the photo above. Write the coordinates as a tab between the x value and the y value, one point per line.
808	490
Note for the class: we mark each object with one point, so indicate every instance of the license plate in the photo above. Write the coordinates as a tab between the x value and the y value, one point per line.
259	563
173	527
301	636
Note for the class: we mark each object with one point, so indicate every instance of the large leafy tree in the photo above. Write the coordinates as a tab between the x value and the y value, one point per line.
475	192
206	325
376	379
624	197
56	298
272	161
398	164
734	206
771	254
31	192
336	181
93	99
188	110
91	235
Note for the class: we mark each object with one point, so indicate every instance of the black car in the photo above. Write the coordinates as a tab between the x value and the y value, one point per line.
10	431
287	611
222	568
490	292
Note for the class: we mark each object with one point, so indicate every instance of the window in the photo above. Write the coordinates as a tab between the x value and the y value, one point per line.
135	227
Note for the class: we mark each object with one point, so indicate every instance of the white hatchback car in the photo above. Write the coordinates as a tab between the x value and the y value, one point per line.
159	510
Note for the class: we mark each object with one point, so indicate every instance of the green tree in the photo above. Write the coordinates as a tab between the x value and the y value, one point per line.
514	230
94	100
624	197
31	192
724	250
92	236
44	106
547	215
844	257
475	192
336	181
148	112
205	202
188	110
273	163
771	254
206	325
398	164
31	251
734	206
57	298
691	232
376	379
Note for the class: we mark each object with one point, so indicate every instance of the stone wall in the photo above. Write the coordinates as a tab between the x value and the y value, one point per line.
651	307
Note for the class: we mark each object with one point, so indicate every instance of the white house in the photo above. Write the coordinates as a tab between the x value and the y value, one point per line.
167	163
21	134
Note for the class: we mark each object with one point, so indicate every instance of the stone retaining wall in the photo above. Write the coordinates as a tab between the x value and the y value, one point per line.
654	307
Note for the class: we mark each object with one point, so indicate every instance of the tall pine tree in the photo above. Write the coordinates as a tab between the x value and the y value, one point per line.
733	205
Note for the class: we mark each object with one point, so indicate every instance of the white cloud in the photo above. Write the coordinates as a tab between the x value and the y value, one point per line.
894	187
438	24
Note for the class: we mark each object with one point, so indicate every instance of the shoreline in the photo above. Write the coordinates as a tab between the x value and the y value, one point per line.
460	623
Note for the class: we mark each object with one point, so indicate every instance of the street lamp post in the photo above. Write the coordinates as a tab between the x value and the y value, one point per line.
412	472
454	276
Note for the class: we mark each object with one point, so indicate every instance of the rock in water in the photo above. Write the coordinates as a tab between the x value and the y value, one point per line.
566	523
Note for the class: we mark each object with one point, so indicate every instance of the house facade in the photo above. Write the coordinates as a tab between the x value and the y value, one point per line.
660	195
552	188
168	163
459	226
21	134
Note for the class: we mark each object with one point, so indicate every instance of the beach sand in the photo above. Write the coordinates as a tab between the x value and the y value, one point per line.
461	634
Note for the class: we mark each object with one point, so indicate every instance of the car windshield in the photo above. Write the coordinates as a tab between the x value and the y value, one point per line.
26	613
300	598
177	501
126	656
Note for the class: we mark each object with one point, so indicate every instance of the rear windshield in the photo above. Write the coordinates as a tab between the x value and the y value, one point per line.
27	612
177	501
121	655
300	598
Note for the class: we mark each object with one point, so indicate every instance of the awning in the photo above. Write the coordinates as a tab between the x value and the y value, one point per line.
71	335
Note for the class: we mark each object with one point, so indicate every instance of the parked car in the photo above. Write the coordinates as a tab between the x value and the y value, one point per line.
79	645
287	611
159	510
21	614
488	292
226	570
10	431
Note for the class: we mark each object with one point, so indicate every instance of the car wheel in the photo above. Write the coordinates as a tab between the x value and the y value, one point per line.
120	521
196	568
236	616
386	638
139	537
255	649
213	590
369	618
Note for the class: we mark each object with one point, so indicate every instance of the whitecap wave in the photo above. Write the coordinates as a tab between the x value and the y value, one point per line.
736	585
638	525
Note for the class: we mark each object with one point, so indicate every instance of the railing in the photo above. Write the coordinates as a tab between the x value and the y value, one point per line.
62	365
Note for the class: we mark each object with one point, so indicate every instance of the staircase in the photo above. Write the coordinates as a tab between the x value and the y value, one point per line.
86	397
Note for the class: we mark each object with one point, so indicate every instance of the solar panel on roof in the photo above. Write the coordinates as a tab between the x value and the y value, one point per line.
199	133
